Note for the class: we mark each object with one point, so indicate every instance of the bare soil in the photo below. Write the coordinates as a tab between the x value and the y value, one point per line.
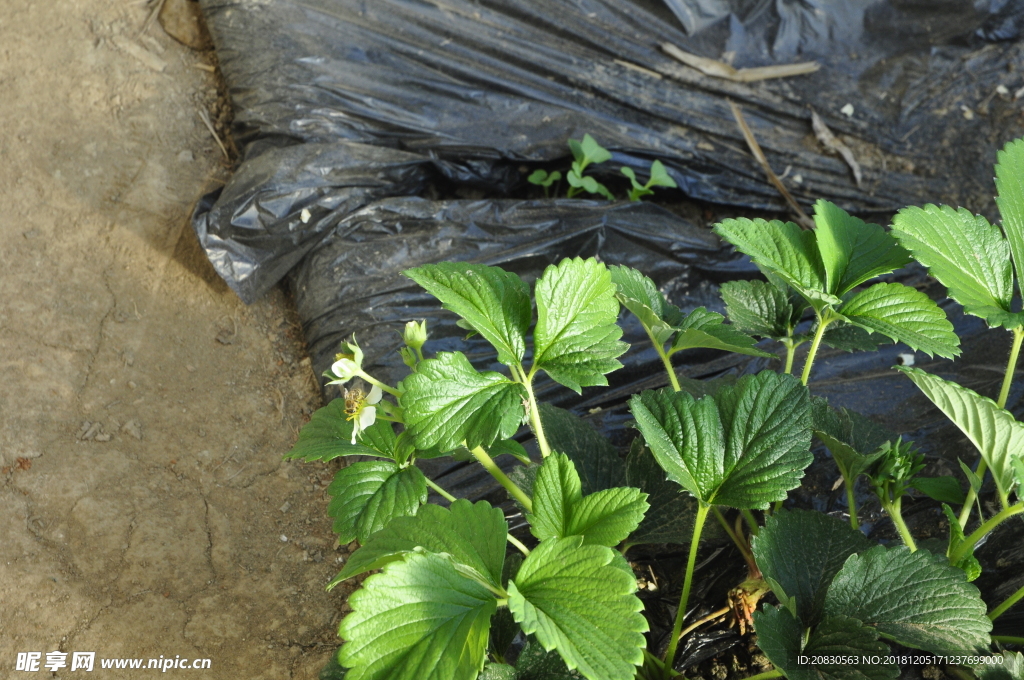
144	506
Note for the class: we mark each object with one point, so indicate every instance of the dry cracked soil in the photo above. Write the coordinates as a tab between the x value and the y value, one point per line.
145	510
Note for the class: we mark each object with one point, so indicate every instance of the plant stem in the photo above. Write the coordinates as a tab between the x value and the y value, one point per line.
851	501
484	459
751	522
1009	639
744	551
766	675
965	511
1009	602
535	424
665	359
444	494
373	381
823	322
893	510
968	543
1011	366
790	353
518	544
684	599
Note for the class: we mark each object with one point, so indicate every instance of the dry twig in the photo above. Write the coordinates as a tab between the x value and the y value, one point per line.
833	144
209	126
719	69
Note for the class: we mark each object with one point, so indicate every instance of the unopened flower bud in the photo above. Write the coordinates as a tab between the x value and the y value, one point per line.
415	334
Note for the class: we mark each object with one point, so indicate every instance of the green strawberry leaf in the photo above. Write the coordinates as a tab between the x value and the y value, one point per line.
853	251
915	599
942	489
745	447
559	508
1010	184
670	517
328	435
576	339
447	402
596	461
639	295
781	637
966	254
498	671
759	308
533	664
1010	667
850	338
701	328
496	303
801	551
366	496
968	563
992	430
510	447
472	534
785	250
575	599
904	314
418	620
853	440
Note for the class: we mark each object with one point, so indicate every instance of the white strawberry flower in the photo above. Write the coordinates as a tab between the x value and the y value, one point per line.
344	370
362	411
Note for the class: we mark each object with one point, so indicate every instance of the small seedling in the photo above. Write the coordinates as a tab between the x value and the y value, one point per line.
658	178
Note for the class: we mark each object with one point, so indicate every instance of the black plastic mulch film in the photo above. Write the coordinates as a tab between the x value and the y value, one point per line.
348	110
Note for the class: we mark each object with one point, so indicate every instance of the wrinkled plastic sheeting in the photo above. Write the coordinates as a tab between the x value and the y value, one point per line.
474	89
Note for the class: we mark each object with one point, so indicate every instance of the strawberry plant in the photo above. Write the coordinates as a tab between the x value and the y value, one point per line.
455	587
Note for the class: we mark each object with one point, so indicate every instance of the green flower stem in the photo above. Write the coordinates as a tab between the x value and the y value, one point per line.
1009	602
535	424
823	321
744	551
665	359
484	459
1008	639
373	381
684	600
893	508
444	494
518	544
851	500
766	675
968	543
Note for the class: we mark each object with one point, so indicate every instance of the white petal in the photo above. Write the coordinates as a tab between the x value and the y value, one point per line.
345	369
366	417
375	394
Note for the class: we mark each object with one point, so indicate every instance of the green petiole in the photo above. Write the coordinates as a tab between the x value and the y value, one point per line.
684	599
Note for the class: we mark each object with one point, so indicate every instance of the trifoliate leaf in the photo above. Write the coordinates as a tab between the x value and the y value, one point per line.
780	637
597	462
1010	184
639	295
670	517
783	249
559	509
852	439
759	308
1009	667
850	338
915	599
966	254
802	550
473	534
418	620
447	401
496	303
942	489
701	328
368	495
969	564
575	600
328	435
992	430
852	250
745	447
576	339
904	314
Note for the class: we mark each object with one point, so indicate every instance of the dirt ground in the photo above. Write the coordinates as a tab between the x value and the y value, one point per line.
144	507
